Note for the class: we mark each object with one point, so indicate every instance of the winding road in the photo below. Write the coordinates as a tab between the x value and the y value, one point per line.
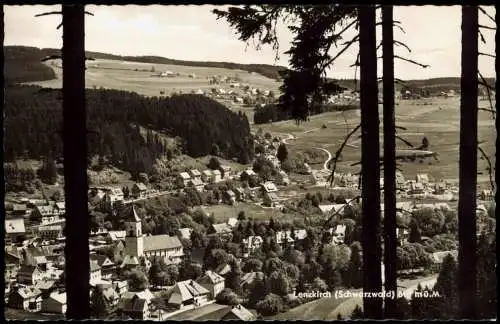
330	156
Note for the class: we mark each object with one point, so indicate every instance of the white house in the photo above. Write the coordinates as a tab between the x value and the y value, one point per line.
56	303
212	282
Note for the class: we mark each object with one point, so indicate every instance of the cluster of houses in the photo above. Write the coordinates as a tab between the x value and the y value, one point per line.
198	180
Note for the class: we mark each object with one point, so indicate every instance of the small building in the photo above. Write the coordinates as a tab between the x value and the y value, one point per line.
222	229
120	286
60	208
187	293
217	176
438	258
251	244
402	235
139	190
226	169
422	178
95	271
183	179
212	282
197	184
26	298
248	279
195	174
247	174
136	308
107	266
240	194
270	199
284	237
19	210
185	233
232	222
14	230
269	187
239	313
229	197
207	176
50	232
56	303
487	195
29	275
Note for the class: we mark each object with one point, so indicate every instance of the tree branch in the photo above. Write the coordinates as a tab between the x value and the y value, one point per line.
487	27
339	151
411	61
486	54
490	169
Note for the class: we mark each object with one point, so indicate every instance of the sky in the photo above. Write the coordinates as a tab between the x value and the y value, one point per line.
433	34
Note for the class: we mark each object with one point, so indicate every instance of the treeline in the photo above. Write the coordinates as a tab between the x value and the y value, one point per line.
34	120
272	113
23	63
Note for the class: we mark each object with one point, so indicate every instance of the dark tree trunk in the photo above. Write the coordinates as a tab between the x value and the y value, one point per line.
468	164
370	154
390	239
75	163
2	190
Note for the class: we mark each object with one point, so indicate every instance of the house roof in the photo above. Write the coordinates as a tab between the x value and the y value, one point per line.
19	208
439	256
250	277
94	266
422	177
325	208
185	175
161	242
340	229
216	172
29	292
269	186
210	277
230	193
221	228
47	228
196	182
130	260
14	226
27	270
225	168
61	298
141	186
232	222
45	284
100	259
242	313
272	196
186	290
135	304
186	232
253	240
195	172
223	269
41	259
207	173
281	236
300	234
60	205
249	172
116	235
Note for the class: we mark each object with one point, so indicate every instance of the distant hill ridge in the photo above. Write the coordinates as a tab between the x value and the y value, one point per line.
23	64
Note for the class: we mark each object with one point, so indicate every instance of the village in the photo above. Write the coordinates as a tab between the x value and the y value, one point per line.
188	277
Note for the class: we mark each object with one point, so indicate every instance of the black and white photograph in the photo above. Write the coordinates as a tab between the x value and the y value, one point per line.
249	162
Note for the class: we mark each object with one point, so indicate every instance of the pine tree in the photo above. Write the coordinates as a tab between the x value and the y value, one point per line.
98	305
282	153
415	235
357	313
446	285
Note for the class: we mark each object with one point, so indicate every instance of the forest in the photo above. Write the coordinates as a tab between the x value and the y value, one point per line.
33	126
273	112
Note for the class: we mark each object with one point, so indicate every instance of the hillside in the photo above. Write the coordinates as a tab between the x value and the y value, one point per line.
201	125
23	64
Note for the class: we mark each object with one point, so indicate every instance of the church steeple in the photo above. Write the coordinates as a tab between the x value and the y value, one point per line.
133	223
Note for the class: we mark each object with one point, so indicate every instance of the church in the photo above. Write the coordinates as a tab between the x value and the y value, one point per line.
137	244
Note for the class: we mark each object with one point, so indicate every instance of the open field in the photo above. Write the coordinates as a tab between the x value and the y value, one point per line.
322	309
138	77
223	212
439	121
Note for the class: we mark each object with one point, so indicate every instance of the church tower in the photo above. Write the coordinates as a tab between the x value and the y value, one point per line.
134	241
